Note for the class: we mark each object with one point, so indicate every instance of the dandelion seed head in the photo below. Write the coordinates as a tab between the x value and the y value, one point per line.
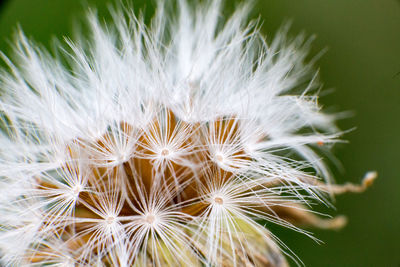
162	145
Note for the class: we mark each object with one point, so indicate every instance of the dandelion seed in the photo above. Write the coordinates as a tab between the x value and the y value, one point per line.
162	145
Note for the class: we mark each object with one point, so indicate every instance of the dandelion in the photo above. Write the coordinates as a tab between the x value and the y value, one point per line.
171	144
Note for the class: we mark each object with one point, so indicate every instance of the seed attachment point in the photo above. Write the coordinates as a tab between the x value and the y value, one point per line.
218	200
165	152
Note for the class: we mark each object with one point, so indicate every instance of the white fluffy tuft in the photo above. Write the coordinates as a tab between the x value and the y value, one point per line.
162	145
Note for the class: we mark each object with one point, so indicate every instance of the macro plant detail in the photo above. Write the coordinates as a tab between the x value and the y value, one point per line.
171	144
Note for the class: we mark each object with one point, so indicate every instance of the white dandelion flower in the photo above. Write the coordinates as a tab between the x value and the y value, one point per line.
163	145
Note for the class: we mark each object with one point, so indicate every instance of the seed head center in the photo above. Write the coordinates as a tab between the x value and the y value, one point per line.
121	158
219	157
219	200
164	152
76	190
150	218
110	219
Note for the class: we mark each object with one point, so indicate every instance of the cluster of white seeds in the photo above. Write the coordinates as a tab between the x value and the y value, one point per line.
163	145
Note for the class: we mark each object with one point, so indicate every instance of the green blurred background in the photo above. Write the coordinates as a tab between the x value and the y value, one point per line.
362	65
